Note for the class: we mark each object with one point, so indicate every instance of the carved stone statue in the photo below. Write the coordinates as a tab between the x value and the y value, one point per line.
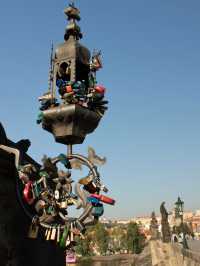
154	227
166	234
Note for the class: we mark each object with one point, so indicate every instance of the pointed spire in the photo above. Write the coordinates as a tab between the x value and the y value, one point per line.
50	68
73	15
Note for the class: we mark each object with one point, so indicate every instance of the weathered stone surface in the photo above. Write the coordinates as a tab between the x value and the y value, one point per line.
169	254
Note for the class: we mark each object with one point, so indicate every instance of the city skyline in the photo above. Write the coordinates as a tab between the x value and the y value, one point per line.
148	215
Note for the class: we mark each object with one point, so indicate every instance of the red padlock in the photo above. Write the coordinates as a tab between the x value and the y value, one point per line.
28	193
104	199
100	89
69	89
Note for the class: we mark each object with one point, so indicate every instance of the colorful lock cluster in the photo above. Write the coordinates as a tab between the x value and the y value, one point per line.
50	193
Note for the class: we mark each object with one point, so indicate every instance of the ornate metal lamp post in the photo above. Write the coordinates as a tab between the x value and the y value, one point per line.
46	192
179	209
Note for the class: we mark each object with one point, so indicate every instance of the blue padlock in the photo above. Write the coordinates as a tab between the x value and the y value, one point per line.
93	200
64	160
98	210
37	189
60	83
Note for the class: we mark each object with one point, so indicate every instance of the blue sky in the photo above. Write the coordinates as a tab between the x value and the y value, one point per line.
151	133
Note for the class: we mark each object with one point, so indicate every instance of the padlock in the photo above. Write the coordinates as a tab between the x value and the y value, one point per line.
36	189
64	204
71	201
74	201
34	228
104	199
69	89
57	194
58	234
24	177
64	237
98	210
68	241
28	193
71	233
93	200
48	234
86	180
33	231
50	209
39	206
53	233
59	83
44	194
64	160
100	89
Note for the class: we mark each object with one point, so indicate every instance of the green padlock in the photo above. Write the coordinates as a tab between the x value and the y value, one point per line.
64	237
44	174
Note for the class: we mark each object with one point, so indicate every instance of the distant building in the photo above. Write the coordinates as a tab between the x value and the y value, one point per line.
192	218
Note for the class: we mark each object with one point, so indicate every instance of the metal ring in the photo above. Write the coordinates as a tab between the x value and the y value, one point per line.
88	208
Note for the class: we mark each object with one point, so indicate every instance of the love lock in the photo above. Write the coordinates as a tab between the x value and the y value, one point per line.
28	193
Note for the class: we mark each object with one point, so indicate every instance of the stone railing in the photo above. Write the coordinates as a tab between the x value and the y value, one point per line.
189	257
171	254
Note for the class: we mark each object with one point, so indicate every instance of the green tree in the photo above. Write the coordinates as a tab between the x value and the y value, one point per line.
101	237
123	240
135	240
83	246
118	239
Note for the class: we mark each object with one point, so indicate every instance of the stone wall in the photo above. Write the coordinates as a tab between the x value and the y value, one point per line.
189	257
172	255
